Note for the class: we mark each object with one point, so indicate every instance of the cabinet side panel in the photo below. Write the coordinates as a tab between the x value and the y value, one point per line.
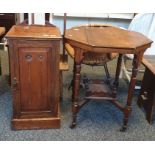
54	74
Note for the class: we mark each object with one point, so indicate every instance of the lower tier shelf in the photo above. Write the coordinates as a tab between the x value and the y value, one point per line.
99	89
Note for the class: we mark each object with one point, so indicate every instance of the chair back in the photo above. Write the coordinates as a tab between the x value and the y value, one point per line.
145	24
26	17
47	16
64	29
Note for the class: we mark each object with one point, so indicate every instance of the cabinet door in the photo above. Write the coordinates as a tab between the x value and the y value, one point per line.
35	79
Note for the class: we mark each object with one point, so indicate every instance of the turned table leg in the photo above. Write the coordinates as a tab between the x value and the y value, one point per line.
71	85
127	110
118	70
107	73
76	85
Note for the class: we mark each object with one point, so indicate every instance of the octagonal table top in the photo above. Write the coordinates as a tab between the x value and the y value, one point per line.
106	37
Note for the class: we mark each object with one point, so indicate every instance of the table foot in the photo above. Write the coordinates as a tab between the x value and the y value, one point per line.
125	124
73	125
123	128
74	117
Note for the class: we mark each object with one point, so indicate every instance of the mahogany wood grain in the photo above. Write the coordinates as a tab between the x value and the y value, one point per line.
33	31
34	61
33	87
106	40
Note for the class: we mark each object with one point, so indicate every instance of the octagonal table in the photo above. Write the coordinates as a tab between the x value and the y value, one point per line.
105	39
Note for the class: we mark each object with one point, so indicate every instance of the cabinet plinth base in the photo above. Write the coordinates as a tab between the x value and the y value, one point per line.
35	123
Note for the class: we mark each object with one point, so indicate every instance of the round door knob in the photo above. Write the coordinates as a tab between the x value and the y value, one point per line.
28	57
41	57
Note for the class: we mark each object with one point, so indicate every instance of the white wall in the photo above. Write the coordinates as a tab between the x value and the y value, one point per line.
74	21
121	20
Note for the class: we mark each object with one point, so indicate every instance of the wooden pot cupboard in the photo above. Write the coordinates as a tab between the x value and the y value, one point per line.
34	62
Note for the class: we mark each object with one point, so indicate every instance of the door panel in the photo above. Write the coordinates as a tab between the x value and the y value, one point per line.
33	68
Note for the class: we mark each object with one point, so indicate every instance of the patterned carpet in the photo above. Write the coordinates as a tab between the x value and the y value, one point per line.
97	121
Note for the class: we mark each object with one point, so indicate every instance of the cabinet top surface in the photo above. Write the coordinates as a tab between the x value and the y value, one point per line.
33	31
106	36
